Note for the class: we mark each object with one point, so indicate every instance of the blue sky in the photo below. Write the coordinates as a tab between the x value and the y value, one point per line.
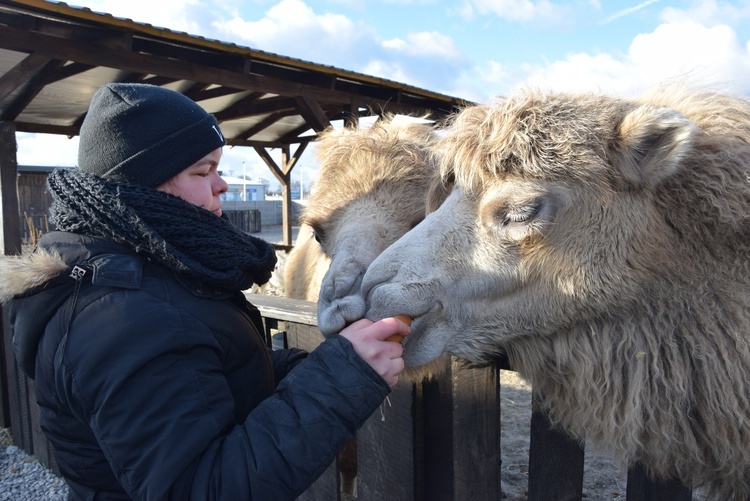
473	49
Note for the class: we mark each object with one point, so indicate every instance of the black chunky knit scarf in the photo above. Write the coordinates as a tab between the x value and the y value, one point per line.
183	237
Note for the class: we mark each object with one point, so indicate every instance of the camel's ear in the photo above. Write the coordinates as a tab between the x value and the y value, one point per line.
653	142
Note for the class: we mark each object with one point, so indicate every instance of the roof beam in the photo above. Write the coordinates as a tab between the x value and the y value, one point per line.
255	107
312	113
21	73
261	126
54	47
33	87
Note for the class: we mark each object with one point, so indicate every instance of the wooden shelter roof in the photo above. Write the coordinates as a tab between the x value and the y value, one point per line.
53	57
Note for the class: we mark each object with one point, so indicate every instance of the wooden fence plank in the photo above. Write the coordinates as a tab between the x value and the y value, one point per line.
385	450
555	461
460	422
325	488
643	488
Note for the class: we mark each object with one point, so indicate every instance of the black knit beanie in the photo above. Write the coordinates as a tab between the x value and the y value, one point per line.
144	134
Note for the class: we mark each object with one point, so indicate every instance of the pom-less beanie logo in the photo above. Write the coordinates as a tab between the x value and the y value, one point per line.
218	132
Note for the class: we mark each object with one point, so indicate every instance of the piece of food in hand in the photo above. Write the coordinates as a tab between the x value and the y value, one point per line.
397	338
405	319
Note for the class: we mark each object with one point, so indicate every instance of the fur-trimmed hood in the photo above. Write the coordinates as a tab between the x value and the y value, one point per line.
36	285
21	274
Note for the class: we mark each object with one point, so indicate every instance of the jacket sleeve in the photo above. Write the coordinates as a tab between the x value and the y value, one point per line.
284	361
292	437
160	407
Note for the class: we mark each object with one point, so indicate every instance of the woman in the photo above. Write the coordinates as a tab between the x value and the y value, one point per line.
151	375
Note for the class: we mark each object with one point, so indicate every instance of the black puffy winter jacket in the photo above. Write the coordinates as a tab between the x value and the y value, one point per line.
151	387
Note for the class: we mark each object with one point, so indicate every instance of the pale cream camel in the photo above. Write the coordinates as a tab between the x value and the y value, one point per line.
371	189
603	245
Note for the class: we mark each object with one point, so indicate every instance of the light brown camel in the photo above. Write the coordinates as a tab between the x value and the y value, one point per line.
371	189
603	244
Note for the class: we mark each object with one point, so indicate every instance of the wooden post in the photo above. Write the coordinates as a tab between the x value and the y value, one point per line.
643	488
286	195
13	386
11	215
461	441
284	175
555	461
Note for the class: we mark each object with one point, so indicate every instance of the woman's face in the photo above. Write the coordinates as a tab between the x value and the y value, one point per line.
200	184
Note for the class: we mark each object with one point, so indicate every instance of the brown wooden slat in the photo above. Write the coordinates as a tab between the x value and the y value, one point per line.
7	373
385	450
643	488
25	70
292	310
461	420
476	425
555	461
326	488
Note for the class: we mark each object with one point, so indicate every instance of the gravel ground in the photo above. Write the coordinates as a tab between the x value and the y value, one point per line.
23	478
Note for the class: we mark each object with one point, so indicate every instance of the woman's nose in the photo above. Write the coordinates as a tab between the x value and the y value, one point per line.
220	186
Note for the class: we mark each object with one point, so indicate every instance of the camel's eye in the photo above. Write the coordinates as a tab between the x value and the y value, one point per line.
319	235
517	214
522	213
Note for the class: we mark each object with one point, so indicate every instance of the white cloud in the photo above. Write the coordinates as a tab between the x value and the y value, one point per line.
386	69
411	2
708	12
685	51
292	28
517	10
46	149
425	44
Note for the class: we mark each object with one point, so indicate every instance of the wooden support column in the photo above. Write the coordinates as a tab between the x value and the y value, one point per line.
284	174
11	216
13	386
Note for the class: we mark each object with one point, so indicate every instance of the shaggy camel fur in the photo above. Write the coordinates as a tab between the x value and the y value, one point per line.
371	189
603	244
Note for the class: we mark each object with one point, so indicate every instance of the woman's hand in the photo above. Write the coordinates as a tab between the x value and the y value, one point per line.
368	339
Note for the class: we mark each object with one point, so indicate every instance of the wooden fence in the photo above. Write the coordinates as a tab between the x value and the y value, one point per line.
432	441
440	439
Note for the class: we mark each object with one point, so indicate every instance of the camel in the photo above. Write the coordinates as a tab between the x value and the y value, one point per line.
602	244
371	189
306	265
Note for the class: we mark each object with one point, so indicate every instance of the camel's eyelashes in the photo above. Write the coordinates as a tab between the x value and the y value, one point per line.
523	213
503	215
520	217
318	234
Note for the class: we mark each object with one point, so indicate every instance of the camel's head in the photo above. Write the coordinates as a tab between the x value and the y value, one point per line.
370	190
553	217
